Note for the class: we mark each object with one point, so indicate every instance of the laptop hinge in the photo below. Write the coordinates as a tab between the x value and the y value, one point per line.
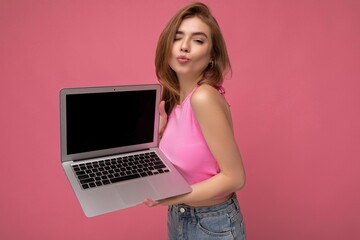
104	156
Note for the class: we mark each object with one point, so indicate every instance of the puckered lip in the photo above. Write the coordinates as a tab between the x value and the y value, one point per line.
183	57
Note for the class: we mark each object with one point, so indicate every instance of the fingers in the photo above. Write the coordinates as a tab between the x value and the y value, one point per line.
163	118
162	109
150	203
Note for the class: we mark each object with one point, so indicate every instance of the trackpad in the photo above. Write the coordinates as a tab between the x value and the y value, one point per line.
134	193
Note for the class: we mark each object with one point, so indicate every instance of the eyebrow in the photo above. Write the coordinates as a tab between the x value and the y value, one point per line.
193	34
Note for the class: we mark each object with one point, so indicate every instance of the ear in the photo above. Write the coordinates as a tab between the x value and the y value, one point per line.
211	63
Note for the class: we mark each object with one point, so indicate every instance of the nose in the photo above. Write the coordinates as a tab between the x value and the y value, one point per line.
184	47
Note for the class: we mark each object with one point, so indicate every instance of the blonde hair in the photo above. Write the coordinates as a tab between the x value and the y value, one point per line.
212	75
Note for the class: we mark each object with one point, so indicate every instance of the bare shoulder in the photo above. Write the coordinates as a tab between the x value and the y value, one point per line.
206	95
207	101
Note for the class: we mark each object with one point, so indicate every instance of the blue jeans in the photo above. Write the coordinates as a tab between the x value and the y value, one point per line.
220	222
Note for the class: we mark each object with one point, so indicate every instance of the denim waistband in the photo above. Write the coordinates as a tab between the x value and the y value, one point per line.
227	206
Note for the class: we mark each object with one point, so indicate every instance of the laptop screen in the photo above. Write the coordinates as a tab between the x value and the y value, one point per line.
99	121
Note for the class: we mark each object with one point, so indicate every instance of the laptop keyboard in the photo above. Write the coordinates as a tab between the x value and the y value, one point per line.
113	170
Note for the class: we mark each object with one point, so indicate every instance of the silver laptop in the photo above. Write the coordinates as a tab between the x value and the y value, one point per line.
109	147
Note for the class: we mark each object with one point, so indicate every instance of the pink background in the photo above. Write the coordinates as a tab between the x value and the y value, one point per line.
294	94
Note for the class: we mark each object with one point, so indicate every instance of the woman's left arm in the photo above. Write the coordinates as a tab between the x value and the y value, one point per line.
213	115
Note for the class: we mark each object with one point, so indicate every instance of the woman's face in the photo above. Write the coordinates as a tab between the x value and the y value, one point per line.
191	50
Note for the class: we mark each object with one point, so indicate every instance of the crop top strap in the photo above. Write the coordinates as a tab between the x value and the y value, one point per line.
221	90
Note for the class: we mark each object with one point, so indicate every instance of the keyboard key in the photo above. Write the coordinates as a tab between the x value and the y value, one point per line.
81	177
120	179
88	180
106	182
80	173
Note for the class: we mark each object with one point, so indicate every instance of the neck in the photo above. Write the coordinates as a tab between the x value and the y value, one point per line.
187	84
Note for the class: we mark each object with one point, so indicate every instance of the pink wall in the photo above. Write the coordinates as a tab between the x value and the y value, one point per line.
294	96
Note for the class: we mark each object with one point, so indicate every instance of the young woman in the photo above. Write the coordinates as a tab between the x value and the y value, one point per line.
197	133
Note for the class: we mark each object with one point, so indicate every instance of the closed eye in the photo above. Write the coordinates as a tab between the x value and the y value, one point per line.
178	36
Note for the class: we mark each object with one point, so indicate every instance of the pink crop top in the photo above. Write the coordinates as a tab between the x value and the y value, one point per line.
184	144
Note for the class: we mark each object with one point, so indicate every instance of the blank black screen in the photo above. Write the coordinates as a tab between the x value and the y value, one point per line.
98	121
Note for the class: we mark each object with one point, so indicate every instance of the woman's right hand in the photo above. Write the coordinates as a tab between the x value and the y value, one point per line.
163	118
